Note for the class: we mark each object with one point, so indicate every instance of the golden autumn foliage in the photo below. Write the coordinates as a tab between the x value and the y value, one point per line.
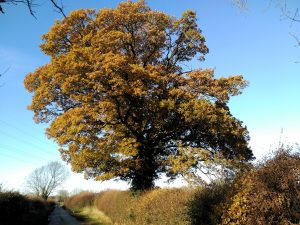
268	194
122	105
155	207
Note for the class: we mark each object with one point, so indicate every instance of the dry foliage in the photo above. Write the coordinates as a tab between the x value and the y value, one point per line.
156	207
79	201
163	207
205	207
16	209
117	205
122	103
269	194
265	194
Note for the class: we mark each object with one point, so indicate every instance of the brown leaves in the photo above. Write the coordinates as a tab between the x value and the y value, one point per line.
202	82
269	193
115	88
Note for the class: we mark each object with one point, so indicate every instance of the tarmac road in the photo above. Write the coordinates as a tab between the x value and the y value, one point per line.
61	217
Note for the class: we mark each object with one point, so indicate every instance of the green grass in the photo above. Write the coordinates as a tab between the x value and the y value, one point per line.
91	216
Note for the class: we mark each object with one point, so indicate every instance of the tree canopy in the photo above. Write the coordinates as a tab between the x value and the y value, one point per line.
122	103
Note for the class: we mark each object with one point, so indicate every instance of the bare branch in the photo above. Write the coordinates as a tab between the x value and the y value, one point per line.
1	74
44	180
59	8
5	71
296	38
286	14
30	5
241	4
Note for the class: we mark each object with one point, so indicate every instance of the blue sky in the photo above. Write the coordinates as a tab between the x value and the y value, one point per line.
255	43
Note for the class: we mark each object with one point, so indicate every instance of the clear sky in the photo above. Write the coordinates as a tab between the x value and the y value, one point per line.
255	43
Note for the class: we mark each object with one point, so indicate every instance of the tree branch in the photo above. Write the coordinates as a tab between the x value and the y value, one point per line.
59	8
30	4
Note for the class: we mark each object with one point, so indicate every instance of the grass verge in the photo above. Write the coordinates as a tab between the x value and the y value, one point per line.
90	216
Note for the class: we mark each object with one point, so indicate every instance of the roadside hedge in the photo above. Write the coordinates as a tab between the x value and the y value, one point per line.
16	209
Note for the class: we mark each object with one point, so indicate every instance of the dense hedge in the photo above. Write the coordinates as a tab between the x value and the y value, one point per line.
79	201
16	209
266	194
156	207
206	206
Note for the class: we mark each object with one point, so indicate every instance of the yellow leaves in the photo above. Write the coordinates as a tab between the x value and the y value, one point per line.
167	103
203	83
128	147
138	89
31	82
198	165
266	193
115	86
138	71
231	86
195	109
112	63
105	176
179	93
70	30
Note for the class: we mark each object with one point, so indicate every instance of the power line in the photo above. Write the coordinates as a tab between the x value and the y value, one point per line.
18	159
23	132
20	151
22	141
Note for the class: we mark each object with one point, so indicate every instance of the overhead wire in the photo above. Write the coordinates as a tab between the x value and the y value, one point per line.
22	151
23	132
24	142
16	158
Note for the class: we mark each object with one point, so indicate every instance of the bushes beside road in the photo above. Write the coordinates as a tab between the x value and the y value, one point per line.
266	193
159	206
16	209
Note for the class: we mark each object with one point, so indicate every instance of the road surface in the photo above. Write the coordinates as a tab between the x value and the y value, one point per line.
61	217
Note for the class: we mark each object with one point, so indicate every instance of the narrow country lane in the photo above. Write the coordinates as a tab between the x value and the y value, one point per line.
61	217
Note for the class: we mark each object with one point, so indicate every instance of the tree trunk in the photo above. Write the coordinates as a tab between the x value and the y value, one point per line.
45	196
144	174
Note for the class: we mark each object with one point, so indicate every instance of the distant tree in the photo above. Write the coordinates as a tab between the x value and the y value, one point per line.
76	191
62	195
44	180
121	102
31	4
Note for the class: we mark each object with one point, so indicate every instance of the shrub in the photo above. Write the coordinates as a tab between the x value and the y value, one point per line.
17	209
117	205
205	208
159	206
81	200
268	194
163	207
12	205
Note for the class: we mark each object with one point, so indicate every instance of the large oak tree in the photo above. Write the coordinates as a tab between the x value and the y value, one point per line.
121	103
